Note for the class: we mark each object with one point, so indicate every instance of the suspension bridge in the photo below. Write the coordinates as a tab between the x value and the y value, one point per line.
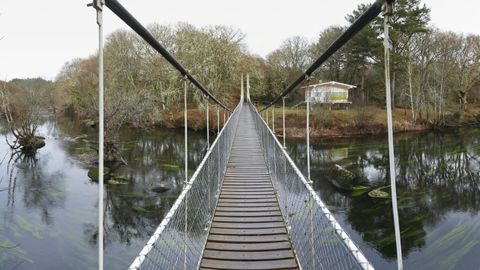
248	206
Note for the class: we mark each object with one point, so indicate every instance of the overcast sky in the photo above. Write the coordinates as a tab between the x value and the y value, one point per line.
40	36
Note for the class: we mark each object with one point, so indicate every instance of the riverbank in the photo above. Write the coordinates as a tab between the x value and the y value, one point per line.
325	123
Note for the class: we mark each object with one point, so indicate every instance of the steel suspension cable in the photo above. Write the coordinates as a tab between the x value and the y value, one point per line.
368	16
136	26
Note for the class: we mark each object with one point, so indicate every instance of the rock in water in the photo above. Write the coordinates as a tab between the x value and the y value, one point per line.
93	173
342	178
378	193
160	188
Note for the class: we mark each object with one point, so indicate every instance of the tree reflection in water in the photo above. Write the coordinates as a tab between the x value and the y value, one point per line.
47	198
132	210
438	178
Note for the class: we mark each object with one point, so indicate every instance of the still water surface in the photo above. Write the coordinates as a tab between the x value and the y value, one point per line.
48	206
438	184
133	211
49	216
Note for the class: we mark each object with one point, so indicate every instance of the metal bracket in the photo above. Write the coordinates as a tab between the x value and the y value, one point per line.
97	4
387	9
387	12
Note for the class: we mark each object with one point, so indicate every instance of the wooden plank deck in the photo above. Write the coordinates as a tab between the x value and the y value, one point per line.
248	230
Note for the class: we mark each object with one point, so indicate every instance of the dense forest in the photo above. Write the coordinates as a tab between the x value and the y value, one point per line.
435	74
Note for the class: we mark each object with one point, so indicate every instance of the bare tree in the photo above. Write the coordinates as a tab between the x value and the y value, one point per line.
467	63
21	108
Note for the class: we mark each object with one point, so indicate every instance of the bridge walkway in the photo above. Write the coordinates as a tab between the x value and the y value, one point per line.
248	230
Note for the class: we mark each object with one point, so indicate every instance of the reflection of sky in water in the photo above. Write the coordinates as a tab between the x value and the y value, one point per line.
47	206
438	196
373	174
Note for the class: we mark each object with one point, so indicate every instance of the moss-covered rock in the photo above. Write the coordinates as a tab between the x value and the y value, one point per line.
93	173
378	193
343	179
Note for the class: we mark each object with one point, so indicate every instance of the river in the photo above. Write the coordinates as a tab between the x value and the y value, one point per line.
438	189
438	186
48	205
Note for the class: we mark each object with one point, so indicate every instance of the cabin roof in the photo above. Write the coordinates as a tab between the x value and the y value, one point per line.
332	84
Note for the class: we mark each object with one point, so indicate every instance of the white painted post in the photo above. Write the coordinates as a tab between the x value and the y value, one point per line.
185	122
98	5
218	121
391	155
266	111
283	120
248	87
241	88
308	139
273	118
208	131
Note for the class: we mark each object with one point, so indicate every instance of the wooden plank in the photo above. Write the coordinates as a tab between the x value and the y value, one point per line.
249	265
249	192
247	189
252	191
248	238
248	247
266	231
248	256
227	196
248	219
248	209
247	180
268	200
248	183
228	225
258	184
224	204
248	214
243	174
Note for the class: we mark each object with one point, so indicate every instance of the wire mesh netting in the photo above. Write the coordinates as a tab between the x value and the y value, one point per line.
179	240
318	240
